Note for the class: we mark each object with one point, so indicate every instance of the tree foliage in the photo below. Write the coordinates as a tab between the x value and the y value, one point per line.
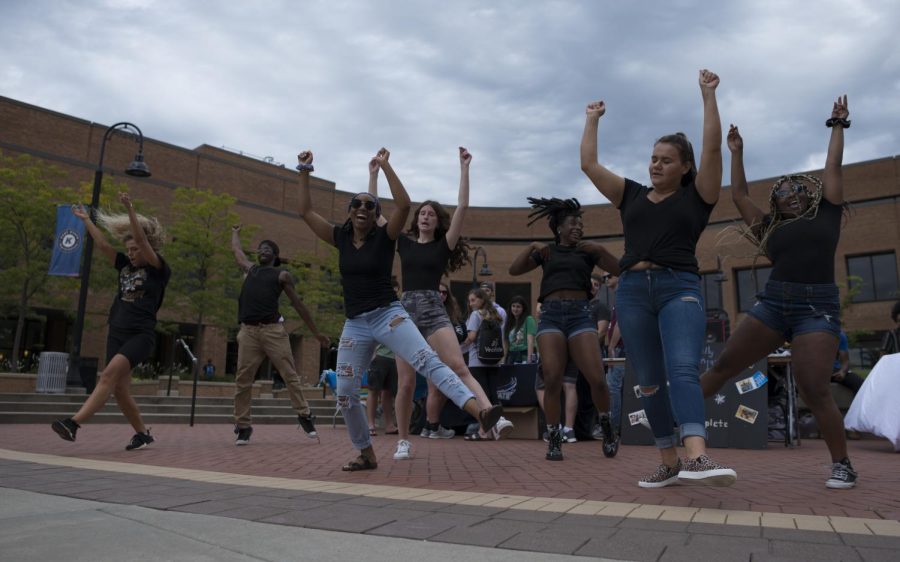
319	287
28	199
205	281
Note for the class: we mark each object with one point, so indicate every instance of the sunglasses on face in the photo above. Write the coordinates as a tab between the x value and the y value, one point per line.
443	292
792	189
357	203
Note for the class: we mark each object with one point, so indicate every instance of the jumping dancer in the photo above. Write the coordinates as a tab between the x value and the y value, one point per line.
801	302
565	328
659	301
263	335
374	315
143	276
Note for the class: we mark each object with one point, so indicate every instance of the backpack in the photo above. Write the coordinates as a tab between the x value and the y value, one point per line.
489	342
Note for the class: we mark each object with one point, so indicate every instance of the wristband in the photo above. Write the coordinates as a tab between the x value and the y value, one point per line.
845	123
305	168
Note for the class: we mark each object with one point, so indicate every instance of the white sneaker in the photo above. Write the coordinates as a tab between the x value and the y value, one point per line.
403	450
442	433
503	428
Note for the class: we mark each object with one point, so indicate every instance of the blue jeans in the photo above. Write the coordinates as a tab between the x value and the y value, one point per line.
389	325
662	319
615	378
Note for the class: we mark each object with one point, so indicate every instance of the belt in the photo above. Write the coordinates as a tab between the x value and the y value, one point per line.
262	322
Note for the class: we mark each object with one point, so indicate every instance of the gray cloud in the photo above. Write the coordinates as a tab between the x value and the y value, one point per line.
509	80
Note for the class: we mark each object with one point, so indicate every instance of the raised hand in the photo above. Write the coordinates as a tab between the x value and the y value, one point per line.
708	80
840	110
305	157
374	166
125	199
382	156
465	157
79	212
735	141
596	109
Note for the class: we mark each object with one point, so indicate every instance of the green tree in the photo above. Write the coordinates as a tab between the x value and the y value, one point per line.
28	199
319	286
205	281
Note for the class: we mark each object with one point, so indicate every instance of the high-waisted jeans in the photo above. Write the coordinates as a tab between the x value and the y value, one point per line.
389	325
662	319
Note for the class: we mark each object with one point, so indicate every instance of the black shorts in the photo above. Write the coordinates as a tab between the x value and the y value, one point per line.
382	375
570	376
135	346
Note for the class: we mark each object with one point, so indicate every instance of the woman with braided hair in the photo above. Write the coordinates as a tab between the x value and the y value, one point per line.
143	276
659	299
566	329
800	302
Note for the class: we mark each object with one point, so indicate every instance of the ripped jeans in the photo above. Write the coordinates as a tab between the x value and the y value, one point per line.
662	319
389	325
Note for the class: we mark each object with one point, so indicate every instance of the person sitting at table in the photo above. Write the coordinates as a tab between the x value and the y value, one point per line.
800	302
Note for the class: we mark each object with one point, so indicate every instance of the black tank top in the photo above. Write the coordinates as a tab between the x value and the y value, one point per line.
259	296
567	267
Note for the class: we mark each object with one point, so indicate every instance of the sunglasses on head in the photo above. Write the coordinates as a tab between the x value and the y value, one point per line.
357	203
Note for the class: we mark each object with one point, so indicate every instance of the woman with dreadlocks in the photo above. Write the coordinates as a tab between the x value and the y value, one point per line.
566	329
432	247
374	315
800	302
659	299
143	276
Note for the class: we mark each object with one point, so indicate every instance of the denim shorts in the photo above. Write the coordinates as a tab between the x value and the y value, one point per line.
426	311
566	317
794	309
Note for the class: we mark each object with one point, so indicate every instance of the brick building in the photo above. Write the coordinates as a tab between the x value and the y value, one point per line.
266	194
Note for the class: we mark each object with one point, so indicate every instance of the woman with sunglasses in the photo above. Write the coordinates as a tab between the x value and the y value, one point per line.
431	248
800	302
374	315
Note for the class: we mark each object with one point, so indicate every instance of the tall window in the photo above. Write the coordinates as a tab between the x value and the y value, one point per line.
711	287
877	276
748	285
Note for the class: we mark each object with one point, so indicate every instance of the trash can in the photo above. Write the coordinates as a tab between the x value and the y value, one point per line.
52	369
87	370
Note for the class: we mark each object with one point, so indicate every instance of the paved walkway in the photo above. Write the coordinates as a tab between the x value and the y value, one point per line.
482	494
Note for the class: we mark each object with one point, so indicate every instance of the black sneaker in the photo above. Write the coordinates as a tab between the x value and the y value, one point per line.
843	476
65	428
139	441
610	437
243	435
489	417
307	422
554	446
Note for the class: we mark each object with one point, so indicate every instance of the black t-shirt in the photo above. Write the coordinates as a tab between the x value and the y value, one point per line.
802	251
365	271
665	233
141	292
422	265
599	311
567	267
259	295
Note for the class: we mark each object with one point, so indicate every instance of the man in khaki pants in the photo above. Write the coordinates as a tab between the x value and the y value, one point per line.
263	335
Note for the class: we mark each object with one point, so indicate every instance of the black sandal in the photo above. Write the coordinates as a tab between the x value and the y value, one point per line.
360	463
489	417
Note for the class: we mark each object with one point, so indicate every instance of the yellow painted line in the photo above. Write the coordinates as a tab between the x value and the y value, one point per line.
854	525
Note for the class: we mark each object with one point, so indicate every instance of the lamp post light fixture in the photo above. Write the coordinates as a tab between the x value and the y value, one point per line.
485	270
138	169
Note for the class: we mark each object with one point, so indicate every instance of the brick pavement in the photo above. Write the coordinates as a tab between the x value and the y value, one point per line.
501	495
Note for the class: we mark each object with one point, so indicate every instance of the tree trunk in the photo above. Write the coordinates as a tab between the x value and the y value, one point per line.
20	328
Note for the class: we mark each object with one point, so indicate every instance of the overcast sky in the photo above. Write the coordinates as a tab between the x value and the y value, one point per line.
508	80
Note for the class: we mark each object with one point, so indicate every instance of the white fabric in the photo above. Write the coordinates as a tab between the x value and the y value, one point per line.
875	410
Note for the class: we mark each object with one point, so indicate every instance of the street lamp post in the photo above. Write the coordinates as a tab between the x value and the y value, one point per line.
138	168
485	270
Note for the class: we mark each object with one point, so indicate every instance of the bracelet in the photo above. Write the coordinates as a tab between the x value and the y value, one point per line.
845	123
305	168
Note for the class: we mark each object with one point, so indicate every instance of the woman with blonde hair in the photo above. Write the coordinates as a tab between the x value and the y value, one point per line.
143	276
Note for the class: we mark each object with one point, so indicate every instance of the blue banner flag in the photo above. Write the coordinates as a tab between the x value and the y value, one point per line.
67	244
